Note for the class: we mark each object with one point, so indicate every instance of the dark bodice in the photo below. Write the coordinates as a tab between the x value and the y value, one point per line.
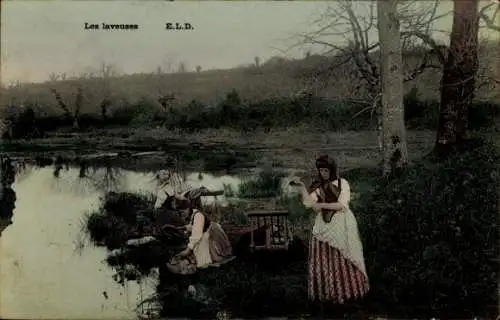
327	193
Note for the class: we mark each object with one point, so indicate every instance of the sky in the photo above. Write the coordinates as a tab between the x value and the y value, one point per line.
43	37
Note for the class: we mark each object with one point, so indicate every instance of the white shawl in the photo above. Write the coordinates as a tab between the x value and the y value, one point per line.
342	231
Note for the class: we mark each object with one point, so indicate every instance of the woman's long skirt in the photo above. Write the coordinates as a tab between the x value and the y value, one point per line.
333	278
220	247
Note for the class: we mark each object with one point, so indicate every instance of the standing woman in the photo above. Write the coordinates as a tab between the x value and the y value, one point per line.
337	272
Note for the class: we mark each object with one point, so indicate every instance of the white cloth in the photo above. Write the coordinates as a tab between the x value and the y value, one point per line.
199	241
342	231
168	183
143	240
162	193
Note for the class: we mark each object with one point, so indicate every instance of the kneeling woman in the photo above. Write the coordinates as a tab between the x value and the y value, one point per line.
208	243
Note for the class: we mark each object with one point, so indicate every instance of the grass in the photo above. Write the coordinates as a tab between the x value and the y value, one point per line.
265	184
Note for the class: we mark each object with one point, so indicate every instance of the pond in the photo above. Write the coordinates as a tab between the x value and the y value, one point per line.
44	271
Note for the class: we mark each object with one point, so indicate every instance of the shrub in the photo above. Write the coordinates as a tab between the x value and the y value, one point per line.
140	114
483	115
192	117
240	114
420	114
24	124
431	236
233	214
266	184
123	216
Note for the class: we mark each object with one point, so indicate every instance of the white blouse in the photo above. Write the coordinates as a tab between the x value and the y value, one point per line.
199	241
162	194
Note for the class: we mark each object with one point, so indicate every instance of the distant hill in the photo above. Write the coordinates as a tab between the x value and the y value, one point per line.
276	77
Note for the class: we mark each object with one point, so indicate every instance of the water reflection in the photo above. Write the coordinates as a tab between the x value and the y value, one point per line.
41	276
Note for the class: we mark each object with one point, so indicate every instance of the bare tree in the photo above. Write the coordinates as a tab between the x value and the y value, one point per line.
105	104
13	84
107	70
459	78
490	16
105	73
198	69
75	115
182	67
347	31
395	153
257	62
53	76
167	65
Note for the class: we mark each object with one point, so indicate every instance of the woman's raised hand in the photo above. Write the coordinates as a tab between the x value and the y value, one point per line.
296	183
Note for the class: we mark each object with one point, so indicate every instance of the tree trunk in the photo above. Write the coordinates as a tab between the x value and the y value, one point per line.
78	106
395	154
496	65
458	80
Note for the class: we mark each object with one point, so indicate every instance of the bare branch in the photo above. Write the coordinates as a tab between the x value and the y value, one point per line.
490	21
372	106
421	68
438	49
60	101
347	30
53	76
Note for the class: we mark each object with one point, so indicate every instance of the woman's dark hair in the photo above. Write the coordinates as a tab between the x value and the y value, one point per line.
182	204
168	203
196	203
174	203
330	193
329	163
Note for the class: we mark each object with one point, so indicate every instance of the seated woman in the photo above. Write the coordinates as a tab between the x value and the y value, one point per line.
208	243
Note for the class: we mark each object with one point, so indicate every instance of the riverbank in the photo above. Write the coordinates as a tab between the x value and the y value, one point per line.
389	215
406	249
287	148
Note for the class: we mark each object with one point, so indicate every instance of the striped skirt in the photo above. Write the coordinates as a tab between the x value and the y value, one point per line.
333	278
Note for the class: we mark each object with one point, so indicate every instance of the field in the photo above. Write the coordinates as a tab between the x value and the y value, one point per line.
277	78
